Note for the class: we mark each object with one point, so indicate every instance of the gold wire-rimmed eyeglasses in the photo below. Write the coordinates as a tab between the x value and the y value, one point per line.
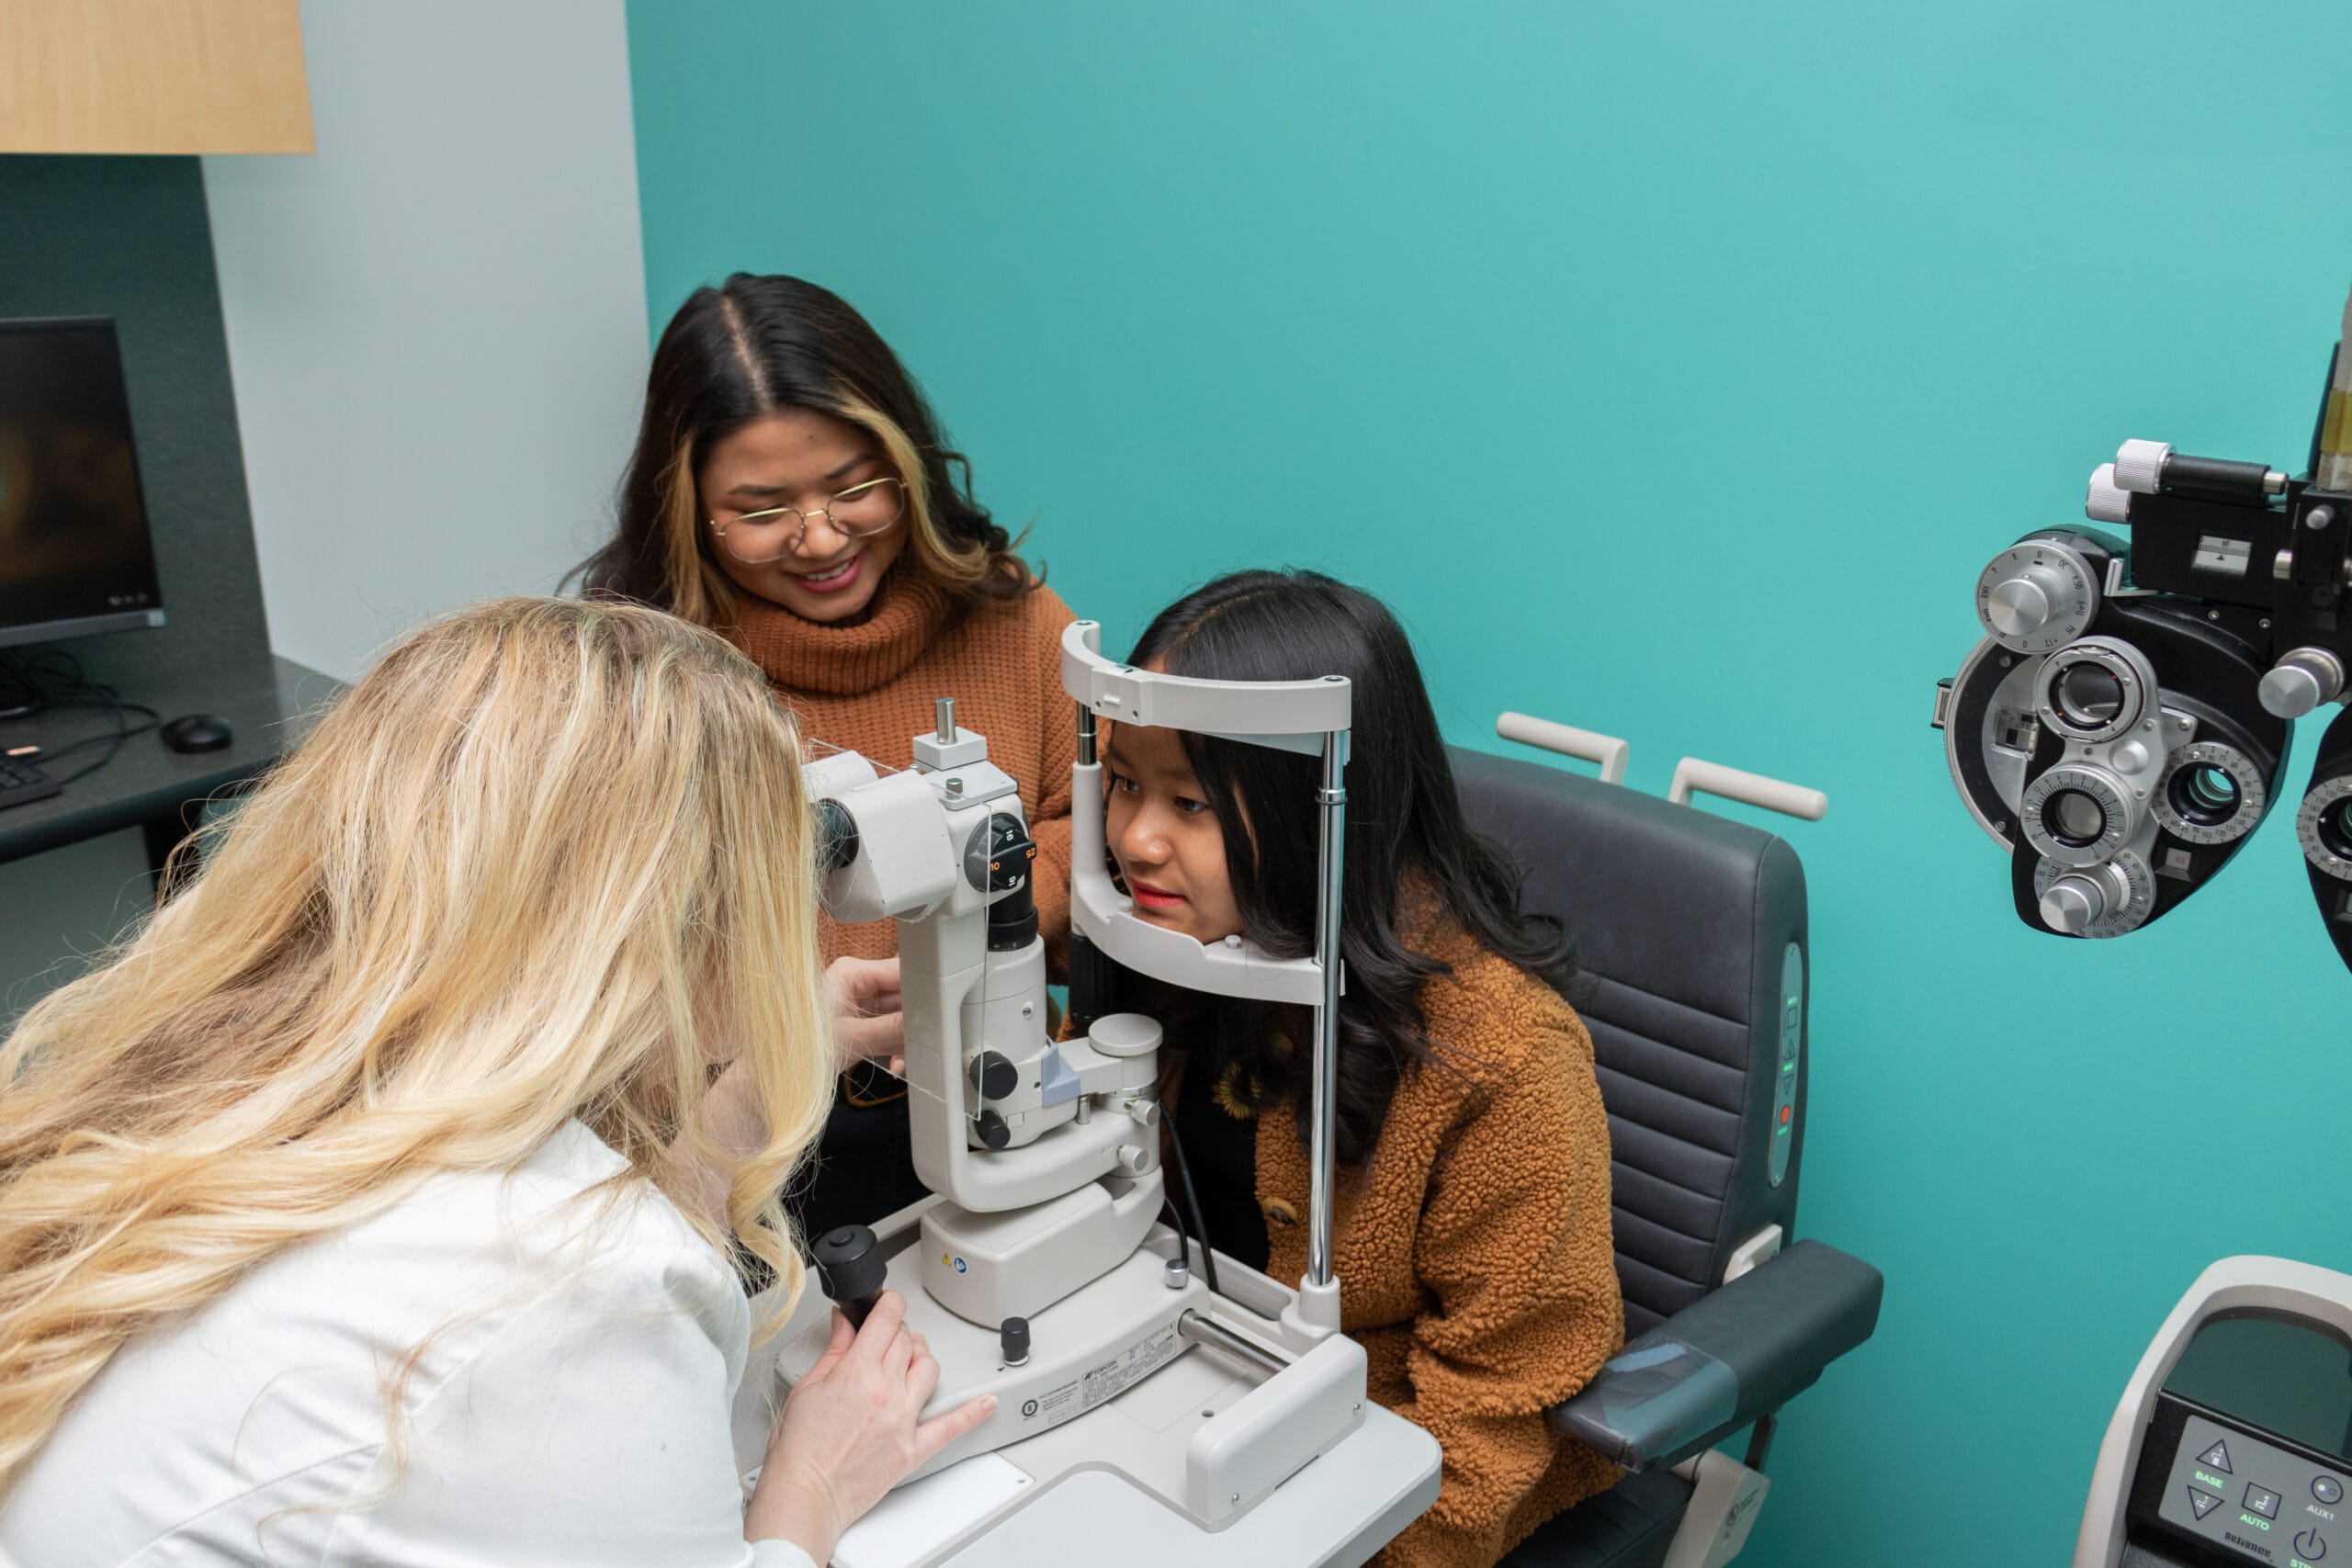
858	512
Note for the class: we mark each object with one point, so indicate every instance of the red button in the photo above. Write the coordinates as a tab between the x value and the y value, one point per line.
1784	1116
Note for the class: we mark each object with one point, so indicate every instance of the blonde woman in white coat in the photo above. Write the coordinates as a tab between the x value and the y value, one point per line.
377	1204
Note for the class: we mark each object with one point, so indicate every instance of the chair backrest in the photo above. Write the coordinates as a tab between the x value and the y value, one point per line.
1691	930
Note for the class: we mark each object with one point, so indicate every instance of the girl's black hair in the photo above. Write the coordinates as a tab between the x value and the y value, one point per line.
752	347
1410	856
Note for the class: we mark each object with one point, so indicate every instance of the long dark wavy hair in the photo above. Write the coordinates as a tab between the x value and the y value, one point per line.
756	345
1410	856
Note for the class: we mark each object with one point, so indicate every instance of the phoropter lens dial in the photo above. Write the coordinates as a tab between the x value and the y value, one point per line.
2095	901
2036	596
2094	690
2076	814
2324	826
2210	793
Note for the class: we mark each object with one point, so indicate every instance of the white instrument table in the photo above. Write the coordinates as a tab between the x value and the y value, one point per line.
1337	1511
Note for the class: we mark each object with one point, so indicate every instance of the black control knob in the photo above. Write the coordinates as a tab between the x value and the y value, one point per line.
997	858
1012	1337
995	1130
994	1075
851	1270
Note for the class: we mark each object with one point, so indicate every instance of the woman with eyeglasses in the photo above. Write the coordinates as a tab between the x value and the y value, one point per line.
792	490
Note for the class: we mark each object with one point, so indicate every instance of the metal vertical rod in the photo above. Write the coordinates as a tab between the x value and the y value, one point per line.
1085	735
946	709
1323	1098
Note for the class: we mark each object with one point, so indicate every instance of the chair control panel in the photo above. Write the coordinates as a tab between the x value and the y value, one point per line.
1784	1090
2256	1501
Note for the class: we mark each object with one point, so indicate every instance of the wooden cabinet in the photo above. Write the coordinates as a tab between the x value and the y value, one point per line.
152	76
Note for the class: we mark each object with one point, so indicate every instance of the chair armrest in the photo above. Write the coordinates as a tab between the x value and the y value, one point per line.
1732	1356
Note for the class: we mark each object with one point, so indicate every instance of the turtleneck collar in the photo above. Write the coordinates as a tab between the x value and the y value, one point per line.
908	614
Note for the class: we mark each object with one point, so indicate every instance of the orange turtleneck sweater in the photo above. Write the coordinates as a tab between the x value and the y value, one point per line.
870	687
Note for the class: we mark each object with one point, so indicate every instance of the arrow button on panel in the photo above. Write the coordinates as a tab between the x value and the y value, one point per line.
2217	1458
2203	1501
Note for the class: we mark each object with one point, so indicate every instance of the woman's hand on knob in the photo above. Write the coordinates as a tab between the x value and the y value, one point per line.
851	1430
867	1022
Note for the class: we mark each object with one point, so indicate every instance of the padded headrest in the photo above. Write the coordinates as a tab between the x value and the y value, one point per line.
1664	897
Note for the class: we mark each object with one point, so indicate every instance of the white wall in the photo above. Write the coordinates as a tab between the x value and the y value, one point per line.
437	329
437	324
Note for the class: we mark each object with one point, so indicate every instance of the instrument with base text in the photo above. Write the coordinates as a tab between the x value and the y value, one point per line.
1038	1270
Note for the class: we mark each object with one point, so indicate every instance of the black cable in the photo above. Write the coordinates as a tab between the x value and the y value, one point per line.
1193	1199
121	732
112	740
17	677
80	692
113	744
1175	1211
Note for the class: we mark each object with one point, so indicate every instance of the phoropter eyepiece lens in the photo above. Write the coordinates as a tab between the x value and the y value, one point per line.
2334	826
2094	690
2088	695
2204	795
2074	818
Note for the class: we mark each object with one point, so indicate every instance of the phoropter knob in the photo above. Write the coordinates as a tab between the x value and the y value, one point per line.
2021	605
2072	903
2301	680
2037	595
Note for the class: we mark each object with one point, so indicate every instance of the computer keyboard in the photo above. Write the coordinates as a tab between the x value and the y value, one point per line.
21	784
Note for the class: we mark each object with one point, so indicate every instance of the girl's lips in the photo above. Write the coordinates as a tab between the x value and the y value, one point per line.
1152	897
849	571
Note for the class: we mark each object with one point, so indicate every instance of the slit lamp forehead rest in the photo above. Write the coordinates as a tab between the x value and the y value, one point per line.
1292	715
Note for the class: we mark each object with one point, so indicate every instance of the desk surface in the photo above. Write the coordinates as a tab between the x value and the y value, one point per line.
267	705
1334	1513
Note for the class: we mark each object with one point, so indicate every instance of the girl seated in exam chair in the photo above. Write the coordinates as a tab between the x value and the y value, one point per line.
1472	1238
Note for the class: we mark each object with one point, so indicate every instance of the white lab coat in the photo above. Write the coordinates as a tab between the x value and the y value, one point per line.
570	1406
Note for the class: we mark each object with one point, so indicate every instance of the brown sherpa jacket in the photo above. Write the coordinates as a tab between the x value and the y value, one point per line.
1474	1252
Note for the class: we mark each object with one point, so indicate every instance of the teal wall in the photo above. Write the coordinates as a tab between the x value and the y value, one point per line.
1672	368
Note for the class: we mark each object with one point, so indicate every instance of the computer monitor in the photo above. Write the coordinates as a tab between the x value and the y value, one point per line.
75	557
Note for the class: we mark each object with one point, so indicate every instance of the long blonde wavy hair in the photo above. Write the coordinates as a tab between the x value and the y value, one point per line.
548	860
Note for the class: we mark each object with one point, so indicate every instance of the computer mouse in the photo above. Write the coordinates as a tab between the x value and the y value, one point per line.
196	732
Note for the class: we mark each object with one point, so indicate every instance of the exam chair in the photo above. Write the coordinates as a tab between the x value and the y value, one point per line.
1691	930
